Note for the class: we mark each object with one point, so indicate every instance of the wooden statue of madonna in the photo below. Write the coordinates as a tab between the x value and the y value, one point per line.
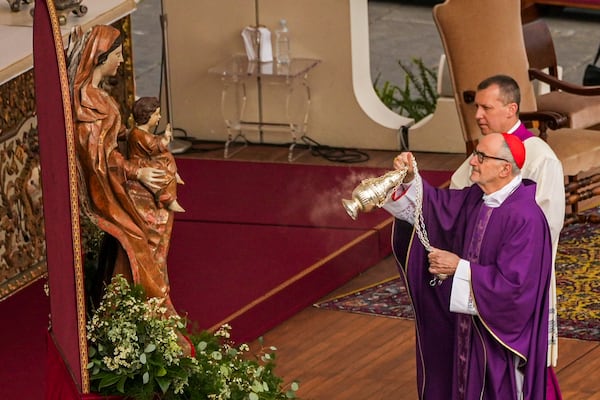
116	193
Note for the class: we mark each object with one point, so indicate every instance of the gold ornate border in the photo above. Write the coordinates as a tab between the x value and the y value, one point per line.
74	200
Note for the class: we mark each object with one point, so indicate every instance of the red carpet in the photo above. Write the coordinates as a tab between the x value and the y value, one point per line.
24	321
259	242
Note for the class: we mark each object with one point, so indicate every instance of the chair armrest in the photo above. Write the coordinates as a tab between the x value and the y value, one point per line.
553	120
555	83
545	119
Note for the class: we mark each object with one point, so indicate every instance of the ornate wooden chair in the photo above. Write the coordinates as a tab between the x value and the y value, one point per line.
580	104
485	38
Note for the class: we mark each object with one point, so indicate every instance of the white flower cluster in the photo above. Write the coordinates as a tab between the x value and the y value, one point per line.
134	350
233	373
127	329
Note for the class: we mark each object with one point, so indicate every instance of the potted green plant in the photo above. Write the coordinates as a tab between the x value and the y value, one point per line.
417	98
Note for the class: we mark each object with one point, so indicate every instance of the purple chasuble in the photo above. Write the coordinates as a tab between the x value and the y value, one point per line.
509	281
464	320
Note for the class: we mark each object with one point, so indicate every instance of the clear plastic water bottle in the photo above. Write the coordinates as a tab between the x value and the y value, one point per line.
282	43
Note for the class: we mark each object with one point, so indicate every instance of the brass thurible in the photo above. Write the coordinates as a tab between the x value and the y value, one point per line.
372	192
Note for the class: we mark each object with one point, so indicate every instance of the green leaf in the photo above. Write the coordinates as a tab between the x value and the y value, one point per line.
253	396
108	381
121	384
143	358
232	352
257	387
224	370
163	383
150	348
161	371
146	377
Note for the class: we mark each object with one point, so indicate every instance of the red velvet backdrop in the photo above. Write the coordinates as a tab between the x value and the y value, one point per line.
52	127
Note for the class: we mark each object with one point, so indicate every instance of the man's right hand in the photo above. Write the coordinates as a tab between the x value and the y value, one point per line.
405	160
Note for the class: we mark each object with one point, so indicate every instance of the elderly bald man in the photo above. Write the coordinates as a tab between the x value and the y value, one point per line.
479	284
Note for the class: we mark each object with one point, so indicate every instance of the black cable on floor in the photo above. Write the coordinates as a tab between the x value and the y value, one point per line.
333	154
196	149
339	155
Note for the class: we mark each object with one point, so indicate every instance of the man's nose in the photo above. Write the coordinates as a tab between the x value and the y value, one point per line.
473	159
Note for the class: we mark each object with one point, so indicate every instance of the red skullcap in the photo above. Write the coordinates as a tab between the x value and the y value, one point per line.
517	148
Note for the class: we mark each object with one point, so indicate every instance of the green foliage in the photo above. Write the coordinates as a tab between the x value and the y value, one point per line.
133	345
91	244
404	100
227	372
134	351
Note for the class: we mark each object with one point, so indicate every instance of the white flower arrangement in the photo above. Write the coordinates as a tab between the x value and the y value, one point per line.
134	352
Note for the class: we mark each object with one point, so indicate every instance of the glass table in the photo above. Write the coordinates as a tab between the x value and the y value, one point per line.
237	72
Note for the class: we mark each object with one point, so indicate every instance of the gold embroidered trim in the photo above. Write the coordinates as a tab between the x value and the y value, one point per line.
74	200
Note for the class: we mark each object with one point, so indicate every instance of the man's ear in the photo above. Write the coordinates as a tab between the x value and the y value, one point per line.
513	108
506	170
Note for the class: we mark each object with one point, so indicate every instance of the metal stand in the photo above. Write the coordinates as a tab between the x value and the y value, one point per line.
177	145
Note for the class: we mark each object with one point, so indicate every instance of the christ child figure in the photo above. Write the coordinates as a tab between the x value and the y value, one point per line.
149	150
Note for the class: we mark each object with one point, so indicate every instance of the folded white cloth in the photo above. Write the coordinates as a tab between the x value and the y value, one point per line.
249	34
258	41
266	48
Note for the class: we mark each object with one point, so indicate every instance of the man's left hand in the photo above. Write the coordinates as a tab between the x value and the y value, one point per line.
442	262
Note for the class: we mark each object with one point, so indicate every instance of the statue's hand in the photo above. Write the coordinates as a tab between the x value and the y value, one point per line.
151	177
169	132
167	137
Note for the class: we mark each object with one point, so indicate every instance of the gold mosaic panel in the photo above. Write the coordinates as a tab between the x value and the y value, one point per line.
17	102
22	240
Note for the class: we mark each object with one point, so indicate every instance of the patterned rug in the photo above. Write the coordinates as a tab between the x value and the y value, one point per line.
577	277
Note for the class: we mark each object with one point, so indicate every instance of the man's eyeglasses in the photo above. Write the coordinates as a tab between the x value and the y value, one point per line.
482	156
